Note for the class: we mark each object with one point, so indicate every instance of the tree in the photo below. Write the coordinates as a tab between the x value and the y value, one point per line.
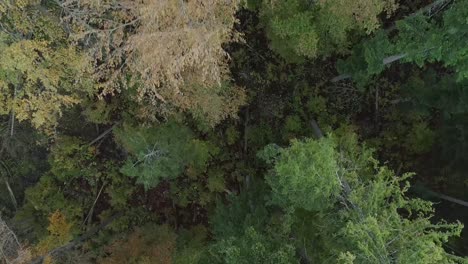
370	219
252	247
76	182
305	175
420	40
59	234
169	53
179	56
248	231
40	74
299	28
147	244
161	153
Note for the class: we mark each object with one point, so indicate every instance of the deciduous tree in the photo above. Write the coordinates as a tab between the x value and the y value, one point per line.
169	53
299	28
40	74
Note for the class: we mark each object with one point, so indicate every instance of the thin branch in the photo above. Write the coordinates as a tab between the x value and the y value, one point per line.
449	198
12	194
13	114
316	129
246	124
436	5
385	61
88	216
102	135
423	190
393	58
9	243
7	184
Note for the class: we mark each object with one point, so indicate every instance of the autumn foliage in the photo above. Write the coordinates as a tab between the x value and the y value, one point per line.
233	131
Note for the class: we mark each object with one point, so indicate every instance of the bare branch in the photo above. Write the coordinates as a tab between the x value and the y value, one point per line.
11	250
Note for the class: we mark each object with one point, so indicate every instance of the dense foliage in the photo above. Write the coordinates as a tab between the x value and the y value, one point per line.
255	131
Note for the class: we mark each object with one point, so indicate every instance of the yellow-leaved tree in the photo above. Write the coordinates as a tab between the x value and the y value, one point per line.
40	74
168	53
177	51
59	234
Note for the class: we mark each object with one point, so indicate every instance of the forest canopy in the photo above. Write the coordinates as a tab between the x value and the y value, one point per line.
234	131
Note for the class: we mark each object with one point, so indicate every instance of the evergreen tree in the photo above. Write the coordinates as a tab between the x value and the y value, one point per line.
161	153
371	219
420	40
